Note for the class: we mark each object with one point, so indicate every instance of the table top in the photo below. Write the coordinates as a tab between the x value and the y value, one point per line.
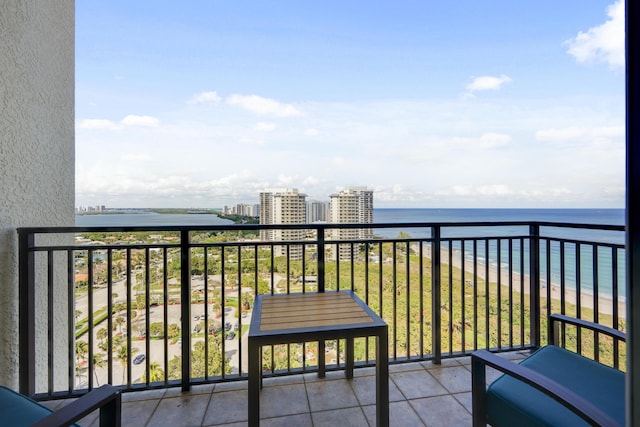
311	311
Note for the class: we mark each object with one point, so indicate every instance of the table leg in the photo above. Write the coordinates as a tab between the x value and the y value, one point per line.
322	366
382	379
254	384
349	362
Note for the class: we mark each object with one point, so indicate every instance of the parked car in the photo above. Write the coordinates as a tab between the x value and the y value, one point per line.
231	335
138	359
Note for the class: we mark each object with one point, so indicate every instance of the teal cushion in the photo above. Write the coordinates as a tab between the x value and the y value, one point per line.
511	402
19	410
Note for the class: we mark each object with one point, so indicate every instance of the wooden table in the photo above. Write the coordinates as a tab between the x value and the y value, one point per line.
297	318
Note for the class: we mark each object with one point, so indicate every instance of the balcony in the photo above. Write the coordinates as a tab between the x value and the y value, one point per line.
163	312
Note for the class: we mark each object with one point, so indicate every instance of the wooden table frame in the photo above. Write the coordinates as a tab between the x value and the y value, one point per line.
297	318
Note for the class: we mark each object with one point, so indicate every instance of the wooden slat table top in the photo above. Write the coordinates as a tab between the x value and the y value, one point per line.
311	310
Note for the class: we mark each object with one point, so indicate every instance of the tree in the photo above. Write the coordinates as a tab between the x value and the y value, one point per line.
102	335
246	300
82	350
173	331
118	322
122	355
98	362
214	363
156	373
156	329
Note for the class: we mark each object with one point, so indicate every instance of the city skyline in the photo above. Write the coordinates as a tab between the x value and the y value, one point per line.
429	105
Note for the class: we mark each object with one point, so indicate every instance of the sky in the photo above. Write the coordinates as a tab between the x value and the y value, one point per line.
464	104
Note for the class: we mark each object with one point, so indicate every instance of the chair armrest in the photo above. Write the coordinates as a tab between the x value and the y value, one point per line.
556	319
107	398
581	407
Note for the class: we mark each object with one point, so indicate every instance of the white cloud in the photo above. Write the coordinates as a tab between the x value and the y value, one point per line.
263	106
133	120
310	180
573	133
97	124
485	141
210	97
265	126
312	132
405	150
603	43
286	180
488	83
135	157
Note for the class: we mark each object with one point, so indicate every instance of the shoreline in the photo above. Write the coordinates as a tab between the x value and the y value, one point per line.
605	303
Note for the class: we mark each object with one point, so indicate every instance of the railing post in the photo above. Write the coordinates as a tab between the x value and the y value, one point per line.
320	237
185	308
436	320
27	311
534	282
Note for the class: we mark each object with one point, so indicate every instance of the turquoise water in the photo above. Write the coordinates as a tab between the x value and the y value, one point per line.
577	268
604	265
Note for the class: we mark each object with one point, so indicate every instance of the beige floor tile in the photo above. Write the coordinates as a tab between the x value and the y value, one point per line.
417	384
277	401
347	417
330	394
304	400
196	389
300	420
186	411
145	394
365	390
465	400
455	379
441	411
138	413
401	414
227	407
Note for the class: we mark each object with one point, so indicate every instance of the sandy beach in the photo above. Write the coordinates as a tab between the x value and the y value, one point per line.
605	304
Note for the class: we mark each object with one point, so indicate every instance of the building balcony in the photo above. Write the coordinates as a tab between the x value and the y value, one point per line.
163	313
421	394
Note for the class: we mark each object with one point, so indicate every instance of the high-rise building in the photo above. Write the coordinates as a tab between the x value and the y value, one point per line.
284	207
352	205
316	211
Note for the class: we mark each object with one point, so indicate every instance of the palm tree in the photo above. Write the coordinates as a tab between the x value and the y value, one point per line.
98	362
102	334
156	373
82	350
122	354
118	322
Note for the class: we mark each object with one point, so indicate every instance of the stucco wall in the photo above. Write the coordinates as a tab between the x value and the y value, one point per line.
36	140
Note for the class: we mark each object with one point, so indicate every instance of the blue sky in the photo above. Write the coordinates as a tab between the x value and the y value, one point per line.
430	104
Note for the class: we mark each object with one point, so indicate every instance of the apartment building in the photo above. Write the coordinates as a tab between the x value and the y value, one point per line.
316	211
352	205
283	207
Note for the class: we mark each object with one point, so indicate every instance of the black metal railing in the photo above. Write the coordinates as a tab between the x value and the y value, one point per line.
149	307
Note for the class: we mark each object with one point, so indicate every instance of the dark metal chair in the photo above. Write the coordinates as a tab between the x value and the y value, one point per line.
552	386
19	410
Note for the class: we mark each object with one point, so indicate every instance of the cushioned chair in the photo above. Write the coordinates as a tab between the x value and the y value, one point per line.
18	410
551	387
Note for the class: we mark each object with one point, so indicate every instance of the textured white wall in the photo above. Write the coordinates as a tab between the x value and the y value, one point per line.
36	140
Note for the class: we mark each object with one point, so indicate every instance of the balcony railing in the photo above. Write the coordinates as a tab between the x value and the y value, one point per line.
153	307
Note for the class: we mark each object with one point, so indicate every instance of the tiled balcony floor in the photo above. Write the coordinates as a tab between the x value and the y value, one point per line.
421	394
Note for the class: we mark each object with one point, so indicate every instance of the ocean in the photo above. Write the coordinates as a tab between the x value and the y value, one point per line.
399	216
385	215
